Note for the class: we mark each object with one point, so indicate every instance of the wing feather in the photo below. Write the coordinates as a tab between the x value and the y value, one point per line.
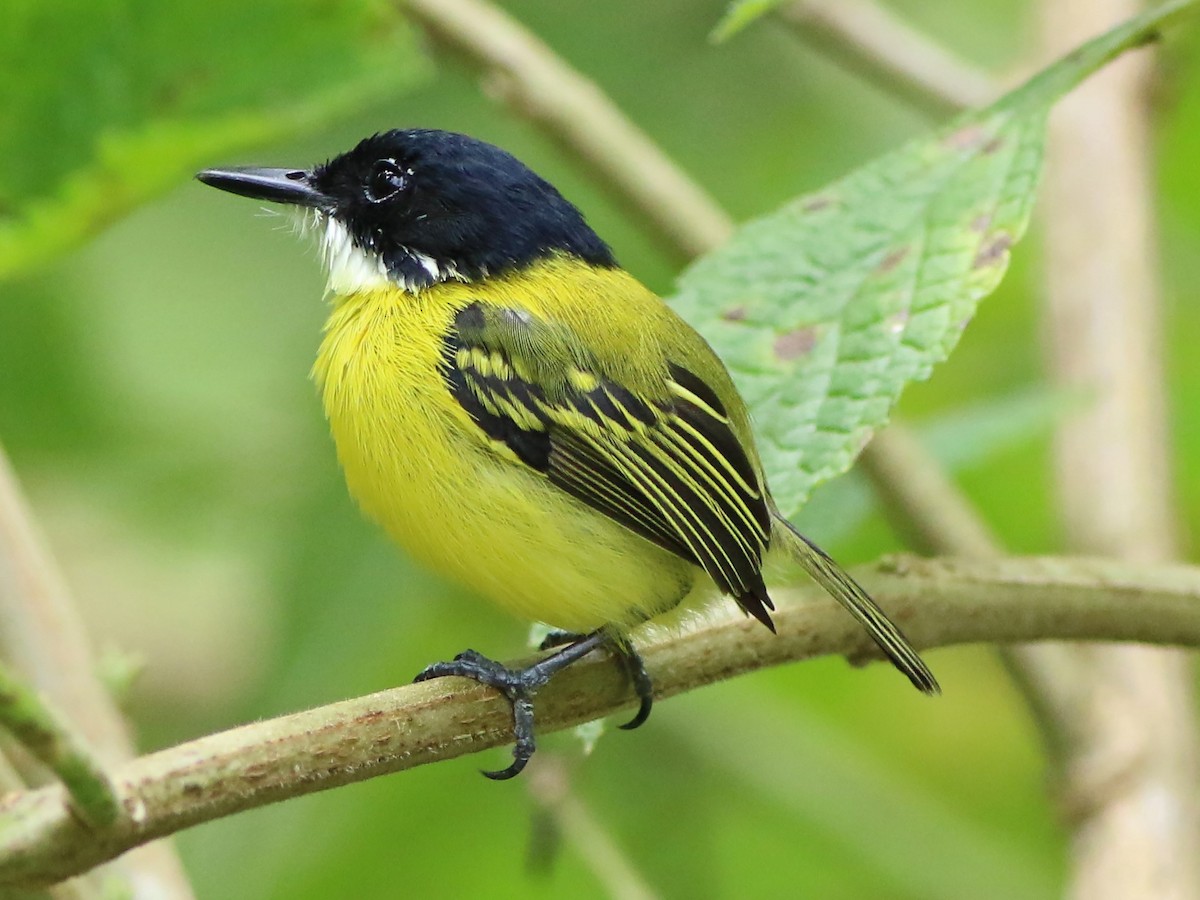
601	486
672	470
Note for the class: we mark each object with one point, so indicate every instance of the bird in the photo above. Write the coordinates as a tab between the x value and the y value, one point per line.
522	415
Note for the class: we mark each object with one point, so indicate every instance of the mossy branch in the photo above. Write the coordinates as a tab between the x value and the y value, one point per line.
939	602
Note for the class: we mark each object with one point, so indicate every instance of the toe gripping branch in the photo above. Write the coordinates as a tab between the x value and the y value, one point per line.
520	685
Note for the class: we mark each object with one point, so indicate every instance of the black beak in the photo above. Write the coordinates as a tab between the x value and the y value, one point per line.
277	185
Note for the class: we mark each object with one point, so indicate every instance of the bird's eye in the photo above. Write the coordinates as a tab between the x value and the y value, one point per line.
387	179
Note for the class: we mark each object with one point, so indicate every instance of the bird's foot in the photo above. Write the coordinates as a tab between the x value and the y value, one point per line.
520	684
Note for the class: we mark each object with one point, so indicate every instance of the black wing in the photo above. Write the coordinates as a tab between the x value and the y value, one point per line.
673	470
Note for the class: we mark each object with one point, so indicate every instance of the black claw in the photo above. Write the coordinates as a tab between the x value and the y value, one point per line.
432	671
518	764
503	774
631	662
525	744
468	664
643	714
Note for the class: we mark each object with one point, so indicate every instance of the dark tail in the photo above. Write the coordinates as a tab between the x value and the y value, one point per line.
846	591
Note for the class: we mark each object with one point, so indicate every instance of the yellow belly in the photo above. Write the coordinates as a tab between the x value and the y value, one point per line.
419	467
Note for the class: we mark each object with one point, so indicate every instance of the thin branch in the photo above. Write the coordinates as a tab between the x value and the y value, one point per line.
41	634
871	40
45	734
527	75
939	602
1132	777
921	501
1103	309
43	639
550	788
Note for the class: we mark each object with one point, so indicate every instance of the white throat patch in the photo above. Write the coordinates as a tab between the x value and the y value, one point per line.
352	269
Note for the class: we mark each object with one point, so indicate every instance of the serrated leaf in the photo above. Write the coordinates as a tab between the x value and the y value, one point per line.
740	14
130	97
827	308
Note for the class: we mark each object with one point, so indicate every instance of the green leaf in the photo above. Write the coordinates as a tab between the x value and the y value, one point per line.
827	308
740	14
131	96
962	439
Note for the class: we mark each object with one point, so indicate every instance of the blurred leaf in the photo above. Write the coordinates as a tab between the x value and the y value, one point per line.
884	817
826	309
130	97
740	14
118	670
960	439
965	438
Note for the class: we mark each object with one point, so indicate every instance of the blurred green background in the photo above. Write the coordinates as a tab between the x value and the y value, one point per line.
155	337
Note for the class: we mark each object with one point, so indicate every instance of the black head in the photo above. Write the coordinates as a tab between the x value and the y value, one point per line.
426	206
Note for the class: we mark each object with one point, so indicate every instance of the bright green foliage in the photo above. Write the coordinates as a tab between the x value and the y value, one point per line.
740	14
105	103
827	308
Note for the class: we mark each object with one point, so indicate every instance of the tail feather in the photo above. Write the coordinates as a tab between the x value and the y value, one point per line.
757	603
834	579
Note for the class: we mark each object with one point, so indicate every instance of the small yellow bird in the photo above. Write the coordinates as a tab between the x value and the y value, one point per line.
522	415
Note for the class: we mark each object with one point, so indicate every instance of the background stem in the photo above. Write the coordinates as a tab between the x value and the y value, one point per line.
1129	775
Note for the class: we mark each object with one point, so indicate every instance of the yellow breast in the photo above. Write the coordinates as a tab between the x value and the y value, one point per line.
427	474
